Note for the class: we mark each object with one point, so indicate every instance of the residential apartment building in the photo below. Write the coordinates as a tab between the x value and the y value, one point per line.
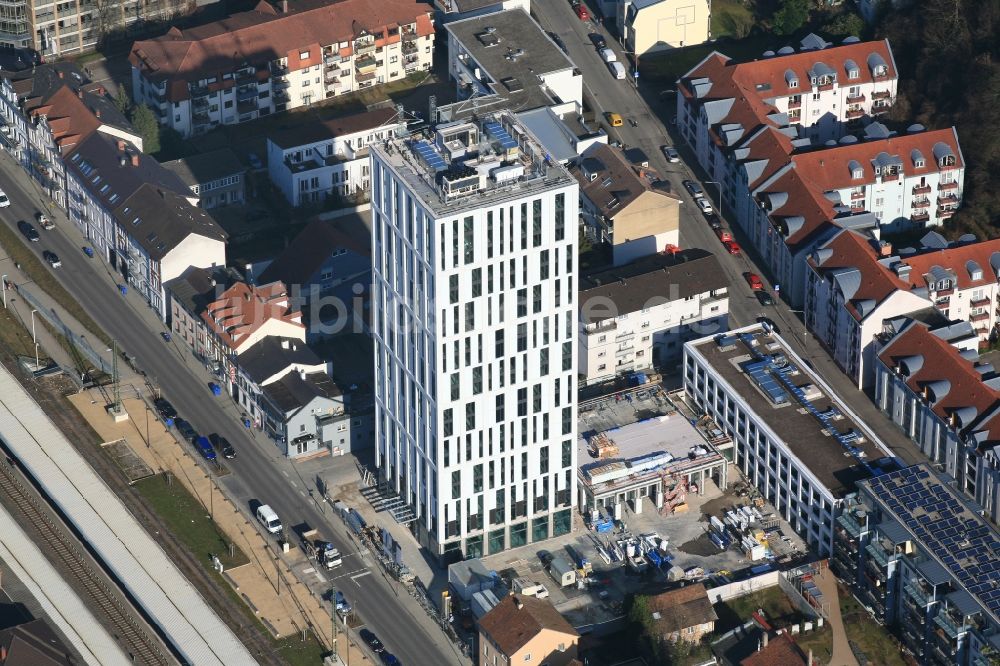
638	317
524	630
932	383
506	60
648	26
924	561
849	294
137	216
217	177
474	322
796	441
59	29
855	283
328	159
622	209
265	61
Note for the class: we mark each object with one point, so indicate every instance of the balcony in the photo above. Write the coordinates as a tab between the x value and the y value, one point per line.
795	103
625	351
948	187
409	35
854	114
246	106
982	316
860	194
947	198
945	293
281	97
945	212
824	87
365	65
921	203
410	47
921	189
890	177
942	620
366	80
602	327
246	93
881	95
279	70
923	216
855	99
880	107
849	523
411	63
917	594
980	303
198	91
361	48
878	554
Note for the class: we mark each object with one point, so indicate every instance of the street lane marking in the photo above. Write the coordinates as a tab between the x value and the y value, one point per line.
308	570
360	575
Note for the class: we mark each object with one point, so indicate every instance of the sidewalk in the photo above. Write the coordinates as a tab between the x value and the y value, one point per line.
842	654
267	584
21	311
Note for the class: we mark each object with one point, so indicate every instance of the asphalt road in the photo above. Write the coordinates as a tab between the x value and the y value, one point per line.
259	473
604	93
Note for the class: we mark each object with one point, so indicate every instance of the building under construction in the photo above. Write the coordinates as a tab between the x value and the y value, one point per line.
661	457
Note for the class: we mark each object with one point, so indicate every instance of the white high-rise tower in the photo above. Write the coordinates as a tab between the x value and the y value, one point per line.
474	246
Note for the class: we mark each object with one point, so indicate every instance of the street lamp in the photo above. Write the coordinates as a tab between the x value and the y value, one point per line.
33	338
36	357
4	278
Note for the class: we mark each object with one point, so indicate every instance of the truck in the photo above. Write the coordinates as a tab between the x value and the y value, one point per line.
322	552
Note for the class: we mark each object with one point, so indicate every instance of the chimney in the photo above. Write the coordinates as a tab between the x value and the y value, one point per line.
517	603
62	74
79	93
97	113
135	159
121	145
764	640
884	249
102	91
284	6
284	344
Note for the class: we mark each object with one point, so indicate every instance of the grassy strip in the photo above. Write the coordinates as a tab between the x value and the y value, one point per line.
296	652
189	520
731	18
32	267
874	640
14	338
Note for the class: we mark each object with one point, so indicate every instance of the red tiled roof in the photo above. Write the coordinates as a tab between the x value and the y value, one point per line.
243	308
262	35
957	258
941	360
815	209
759	82
829	168
518	619
780	651
852	250
69	118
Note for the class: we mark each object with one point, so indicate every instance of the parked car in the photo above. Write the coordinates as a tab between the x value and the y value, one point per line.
51	258
764	298
204	448
732	247
694	188
165	409
222	444
754	281
672	155
607	55
598	40
558	40
186	430
703	205
341	603
214	388
372	641
714	221
582	13
4	201
390	660
28	230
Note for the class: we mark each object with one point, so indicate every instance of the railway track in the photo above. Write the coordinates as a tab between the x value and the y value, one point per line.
65	553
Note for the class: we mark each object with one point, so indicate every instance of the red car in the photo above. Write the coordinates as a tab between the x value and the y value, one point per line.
582	12
754	281
732	247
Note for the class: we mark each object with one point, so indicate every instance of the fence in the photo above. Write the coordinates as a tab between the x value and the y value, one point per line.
78	341
740	588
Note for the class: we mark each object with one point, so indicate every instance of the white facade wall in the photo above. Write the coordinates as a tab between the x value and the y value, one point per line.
475	414
850	342
635	341
338	165
825	112
763	458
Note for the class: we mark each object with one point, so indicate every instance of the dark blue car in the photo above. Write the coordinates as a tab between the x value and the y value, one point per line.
205	448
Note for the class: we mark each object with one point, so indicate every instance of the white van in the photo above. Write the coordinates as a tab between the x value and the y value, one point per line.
269	519
608	55
617	69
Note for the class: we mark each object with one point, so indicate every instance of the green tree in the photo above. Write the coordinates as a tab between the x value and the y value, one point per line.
122	101
790	16
145	124
845	24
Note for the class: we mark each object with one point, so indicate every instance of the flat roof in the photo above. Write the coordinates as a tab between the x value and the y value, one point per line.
514	50
838	466
642	425
938	518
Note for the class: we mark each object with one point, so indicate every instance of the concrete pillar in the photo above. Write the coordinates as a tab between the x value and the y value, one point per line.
659	495
638	502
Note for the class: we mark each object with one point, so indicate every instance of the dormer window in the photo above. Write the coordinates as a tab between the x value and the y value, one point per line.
918	163
303	55
858	174
879	70
948	161
793	83
853	73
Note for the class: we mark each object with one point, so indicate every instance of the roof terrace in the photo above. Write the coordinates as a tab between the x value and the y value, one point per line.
474	163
